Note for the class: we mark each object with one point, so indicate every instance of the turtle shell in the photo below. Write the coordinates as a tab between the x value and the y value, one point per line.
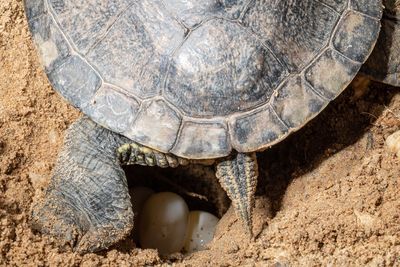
202	78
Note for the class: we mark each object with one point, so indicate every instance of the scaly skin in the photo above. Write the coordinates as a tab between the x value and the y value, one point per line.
238	176
87	204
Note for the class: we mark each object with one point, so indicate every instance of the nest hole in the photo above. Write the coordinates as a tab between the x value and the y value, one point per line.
196	184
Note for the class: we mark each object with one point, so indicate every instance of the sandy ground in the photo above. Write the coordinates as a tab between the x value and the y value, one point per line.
328	195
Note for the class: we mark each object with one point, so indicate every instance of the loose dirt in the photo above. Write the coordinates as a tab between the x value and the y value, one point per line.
328	195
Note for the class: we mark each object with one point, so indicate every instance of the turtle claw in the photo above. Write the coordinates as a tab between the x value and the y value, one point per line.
61	222
87	204
101	238
89	243
58	222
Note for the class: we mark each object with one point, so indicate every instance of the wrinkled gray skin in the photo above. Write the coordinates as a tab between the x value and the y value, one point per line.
168	82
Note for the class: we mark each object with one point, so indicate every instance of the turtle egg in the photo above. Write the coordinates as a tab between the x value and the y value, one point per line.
200	231
139	195
163	223
393	143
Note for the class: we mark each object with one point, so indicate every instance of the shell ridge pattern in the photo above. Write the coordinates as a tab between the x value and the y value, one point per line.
165	78
337	28
328	6
174	16
310	63
285	24
245	9
51	13
272	108
200	79
244	86
142	72
322	51
96	93
265	45
102	36
67	39
329	46
73	52
314	90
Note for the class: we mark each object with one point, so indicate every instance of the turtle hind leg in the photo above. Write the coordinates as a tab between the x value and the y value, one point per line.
384	63
238	176
133	153
87	204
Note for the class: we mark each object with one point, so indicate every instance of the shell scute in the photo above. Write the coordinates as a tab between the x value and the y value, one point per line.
53	47
351	39
113	108
157	125
331	73
202	139
76	80
252	131
200	79
295	102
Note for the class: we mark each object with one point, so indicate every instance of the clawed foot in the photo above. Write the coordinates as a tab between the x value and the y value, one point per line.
77	230
87	205
57	221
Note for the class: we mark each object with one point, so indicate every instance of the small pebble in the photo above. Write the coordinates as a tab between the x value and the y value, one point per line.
393	143
163	223
201	228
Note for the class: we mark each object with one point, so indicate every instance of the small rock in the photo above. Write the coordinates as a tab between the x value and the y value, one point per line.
393	143
54	137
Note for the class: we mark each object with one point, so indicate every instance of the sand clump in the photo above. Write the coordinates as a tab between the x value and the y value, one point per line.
329	194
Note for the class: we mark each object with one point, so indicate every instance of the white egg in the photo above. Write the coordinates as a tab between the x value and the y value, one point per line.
163	223
393	143
201	228
139	195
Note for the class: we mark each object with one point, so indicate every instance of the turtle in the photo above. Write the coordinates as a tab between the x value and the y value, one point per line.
175	82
